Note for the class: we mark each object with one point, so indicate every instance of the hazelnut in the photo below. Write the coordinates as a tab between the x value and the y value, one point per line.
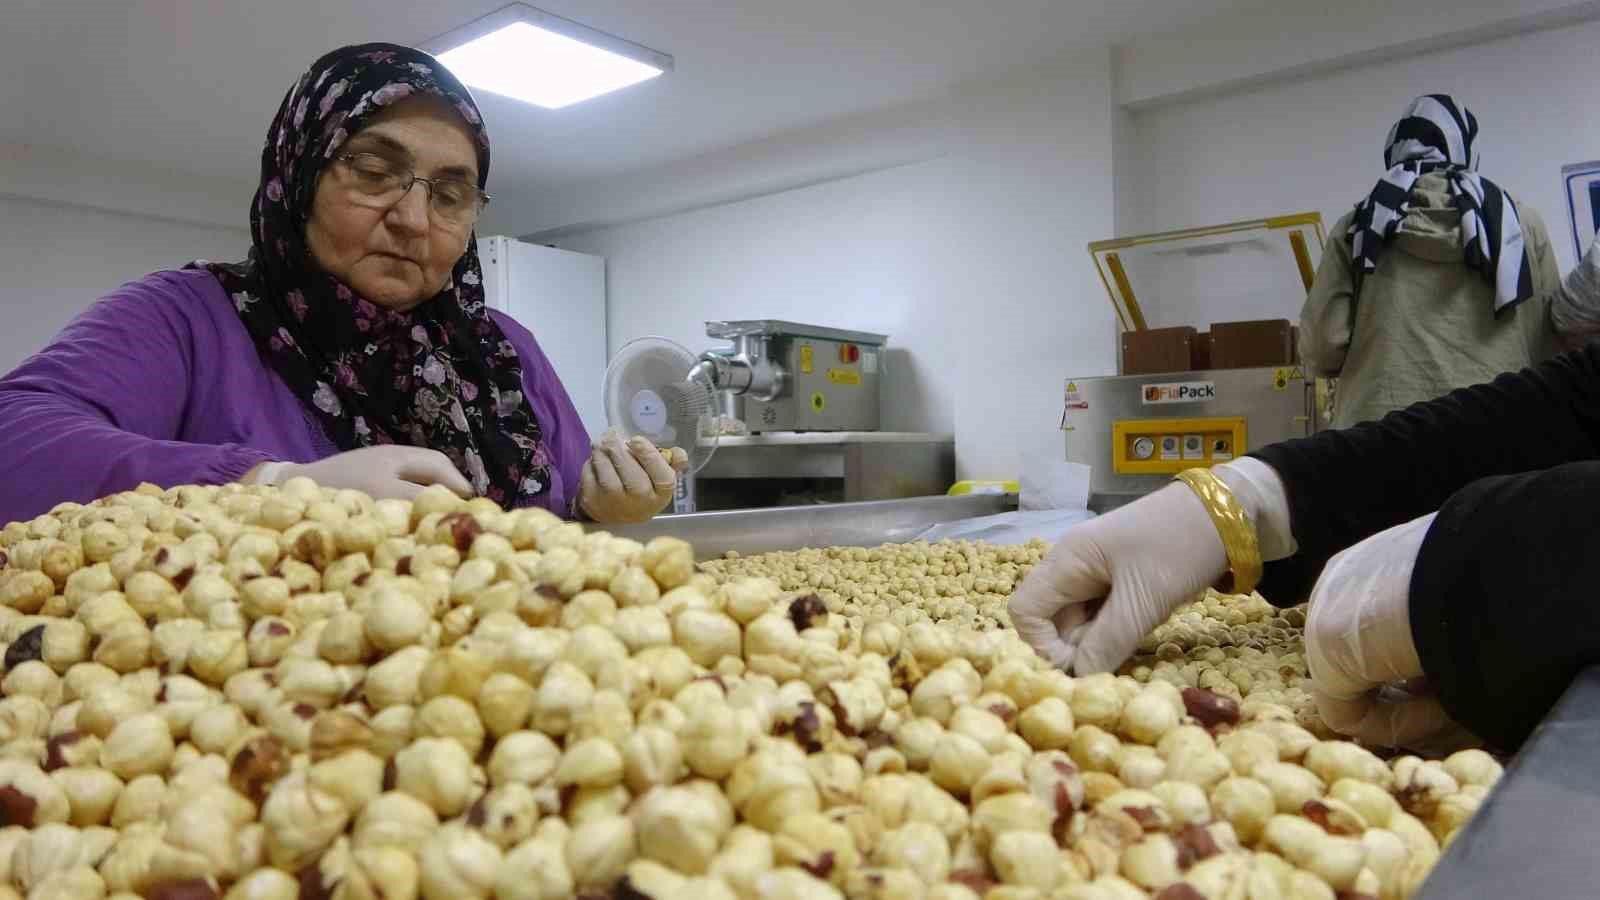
438	772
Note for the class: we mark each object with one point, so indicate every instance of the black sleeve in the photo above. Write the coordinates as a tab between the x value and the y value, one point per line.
1344	486
1504	611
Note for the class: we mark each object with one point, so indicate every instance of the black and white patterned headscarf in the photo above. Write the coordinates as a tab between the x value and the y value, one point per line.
1438	135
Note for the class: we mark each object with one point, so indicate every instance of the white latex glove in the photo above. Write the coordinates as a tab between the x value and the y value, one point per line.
386	472
627	482
1358	643
1143	560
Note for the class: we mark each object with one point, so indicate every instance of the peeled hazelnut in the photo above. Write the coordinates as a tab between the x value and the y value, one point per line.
563	694
713	740
355	777
506	815
257	761
1333	760
595	762
1185	803
301	821
86	678
64	644
451	717
1473	767
669	561
1047	724
523	757
1247	749
395	620
634	587
1375	805
1026	858
438	772
140	801
766	789
25	718
395	819
1149	716
1292	740
681	828
958	761
505	703
394	681
458	862
651	757
264	884
125	646
141	745
917	846
1336	860
392	729
1093	749
598	852
1420	786
535	870
457	670
344	639
91	792
706	636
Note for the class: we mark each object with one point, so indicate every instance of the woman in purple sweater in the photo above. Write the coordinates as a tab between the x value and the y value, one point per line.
353	346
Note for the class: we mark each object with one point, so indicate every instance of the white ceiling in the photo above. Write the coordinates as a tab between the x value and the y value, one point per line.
190	85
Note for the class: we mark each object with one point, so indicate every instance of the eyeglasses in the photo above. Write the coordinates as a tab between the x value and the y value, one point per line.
385	183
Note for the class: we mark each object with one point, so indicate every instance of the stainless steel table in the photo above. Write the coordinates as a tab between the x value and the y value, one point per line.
873	465
831	525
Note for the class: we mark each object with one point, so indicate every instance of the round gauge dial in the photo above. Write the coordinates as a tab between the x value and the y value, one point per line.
1143	448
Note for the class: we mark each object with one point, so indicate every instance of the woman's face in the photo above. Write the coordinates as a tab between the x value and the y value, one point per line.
401	255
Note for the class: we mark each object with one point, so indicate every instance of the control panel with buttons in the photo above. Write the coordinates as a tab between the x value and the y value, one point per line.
1168	446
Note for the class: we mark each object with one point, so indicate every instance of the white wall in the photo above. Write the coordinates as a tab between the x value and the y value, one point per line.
1316	143
972	262
1276	41
1031	309
68	177
860	253
59	259
828	152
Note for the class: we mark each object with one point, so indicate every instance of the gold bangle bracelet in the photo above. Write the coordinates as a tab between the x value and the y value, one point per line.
1233	527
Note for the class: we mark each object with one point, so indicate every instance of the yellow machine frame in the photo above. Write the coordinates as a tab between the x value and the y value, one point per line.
1131	317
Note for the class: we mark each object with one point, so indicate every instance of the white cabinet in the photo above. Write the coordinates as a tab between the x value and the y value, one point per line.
560	296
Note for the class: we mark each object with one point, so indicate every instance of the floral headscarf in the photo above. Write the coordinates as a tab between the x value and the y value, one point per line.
442	375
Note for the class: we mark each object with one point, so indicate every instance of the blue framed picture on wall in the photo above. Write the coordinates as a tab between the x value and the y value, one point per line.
1582	181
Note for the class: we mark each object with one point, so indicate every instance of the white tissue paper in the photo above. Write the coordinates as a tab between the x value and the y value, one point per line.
1055	497
1049	482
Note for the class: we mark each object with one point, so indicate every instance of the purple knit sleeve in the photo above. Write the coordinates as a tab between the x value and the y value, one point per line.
97	411
565	437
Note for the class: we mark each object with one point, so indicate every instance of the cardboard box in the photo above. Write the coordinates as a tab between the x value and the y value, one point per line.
1156	351
1200	357
1244	345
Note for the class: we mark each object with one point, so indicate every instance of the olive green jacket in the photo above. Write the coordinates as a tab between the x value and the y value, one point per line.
1424	323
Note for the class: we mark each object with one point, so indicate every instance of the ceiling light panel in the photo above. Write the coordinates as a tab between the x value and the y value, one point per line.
543	59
